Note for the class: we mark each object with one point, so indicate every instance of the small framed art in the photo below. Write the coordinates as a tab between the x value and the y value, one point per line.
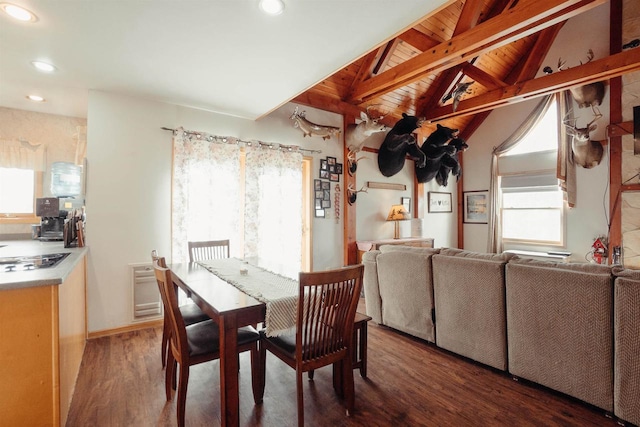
476	207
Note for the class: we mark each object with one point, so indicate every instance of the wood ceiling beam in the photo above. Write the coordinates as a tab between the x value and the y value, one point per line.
334	105
417	39
386	55
482	77
512	25
469	18
594	71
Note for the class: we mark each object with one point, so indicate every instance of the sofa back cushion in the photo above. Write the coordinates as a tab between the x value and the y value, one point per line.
470	305
406	290
626	389
560	327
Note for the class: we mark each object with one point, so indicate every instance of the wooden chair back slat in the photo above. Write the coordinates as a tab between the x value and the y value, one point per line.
210	249
326	309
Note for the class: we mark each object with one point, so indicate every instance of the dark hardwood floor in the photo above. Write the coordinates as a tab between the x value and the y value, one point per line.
410	383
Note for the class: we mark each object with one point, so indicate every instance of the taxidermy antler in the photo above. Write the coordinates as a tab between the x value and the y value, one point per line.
586	153
352	194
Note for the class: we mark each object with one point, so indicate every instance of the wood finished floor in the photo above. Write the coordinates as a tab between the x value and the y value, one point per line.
410	383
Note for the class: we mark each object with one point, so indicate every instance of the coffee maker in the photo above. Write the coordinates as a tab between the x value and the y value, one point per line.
51	218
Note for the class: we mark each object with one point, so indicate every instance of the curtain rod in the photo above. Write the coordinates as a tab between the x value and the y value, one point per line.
249	143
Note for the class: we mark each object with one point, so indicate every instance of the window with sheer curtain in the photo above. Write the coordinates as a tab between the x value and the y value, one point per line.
251	196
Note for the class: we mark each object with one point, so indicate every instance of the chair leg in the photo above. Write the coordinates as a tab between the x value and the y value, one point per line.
169	375
310	374
300	397
182	393
347	384
257	372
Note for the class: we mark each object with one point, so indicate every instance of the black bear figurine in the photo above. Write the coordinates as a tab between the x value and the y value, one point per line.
435	148
397	144
450	163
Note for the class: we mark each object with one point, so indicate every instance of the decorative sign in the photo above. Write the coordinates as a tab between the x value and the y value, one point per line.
439	202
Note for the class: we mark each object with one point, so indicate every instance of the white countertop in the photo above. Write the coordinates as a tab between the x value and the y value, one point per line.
41	277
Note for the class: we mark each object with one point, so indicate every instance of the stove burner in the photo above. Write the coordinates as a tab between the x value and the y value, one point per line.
30	262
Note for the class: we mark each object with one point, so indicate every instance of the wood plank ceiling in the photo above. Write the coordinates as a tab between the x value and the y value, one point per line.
499	45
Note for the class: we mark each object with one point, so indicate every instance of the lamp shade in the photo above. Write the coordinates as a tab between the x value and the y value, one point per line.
398	213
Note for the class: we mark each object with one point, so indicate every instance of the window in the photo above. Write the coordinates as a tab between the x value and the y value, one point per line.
531	202
17	192
543	136
532	215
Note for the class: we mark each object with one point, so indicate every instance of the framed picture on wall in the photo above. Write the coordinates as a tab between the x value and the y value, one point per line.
319	213
323	164
406	202
439	202
476	207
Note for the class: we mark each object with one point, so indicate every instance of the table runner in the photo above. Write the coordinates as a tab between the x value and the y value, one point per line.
279	293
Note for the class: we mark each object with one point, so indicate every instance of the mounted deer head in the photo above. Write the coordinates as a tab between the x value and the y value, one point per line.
352	194
355	135
586	153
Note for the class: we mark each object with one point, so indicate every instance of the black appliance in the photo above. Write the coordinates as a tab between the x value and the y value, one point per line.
30	262
51	218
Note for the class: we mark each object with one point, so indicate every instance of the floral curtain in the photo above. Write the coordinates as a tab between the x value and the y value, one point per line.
19	154
273	208
206	193
494	243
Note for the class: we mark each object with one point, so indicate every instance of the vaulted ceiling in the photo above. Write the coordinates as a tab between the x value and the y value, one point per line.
496	45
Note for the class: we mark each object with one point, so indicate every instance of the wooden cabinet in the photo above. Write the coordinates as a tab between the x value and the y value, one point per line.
42	338
370	245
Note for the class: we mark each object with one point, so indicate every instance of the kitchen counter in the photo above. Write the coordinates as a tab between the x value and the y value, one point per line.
39	277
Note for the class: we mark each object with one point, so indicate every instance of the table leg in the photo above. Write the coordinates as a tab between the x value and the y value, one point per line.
229	399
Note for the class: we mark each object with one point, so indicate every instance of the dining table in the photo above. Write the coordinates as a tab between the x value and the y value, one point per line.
222	299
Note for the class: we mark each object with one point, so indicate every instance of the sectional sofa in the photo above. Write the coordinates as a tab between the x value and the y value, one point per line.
572	327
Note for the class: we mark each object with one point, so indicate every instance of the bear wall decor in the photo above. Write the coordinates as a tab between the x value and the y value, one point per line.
398	143
435	148
450	163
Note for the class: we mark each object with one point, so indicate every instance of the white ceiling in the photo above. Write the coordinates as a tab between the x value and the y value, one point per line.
220	55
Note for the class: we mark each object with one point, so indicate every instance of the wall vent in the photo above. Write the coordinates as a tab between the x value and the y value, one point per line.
147	304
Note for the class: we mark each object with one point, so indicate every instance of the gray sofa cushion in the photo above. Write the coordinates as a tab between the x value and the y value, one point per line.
626	391
413	249
470	306
406	291
560	327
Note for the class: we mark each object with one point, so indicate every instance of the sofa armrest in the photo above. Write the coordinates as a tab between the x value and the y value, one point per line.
371	286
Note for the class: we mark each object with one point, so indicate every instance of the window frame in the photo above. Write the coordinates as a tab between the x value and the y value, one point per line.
561	243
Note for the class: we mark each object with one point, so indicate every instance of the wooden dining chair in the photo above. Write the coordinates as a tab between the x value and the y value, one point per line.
324	330
190	312
198	343
210	249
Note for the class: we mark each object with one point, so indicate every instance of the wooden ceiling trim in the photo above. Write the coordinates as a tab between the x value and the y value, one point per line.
512	25
482	77
364	71
418	40
470	16
601	69
388	50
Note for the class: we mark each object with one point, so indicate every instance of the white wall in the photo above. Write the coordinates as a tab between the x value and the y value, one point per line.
587	220
129	188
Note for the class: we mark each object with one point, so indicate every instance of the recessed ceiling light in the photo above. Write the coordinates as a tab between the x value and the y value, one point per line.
35	98
272	7
19	13
43	66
